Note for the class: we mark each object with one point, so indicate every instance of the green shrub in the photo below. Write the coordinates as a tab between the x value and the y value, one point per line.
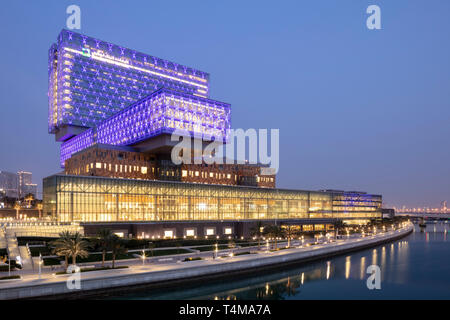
22	241
53	261
157	253
10	277
4	268
210	248
193	259
14	266
44	251
243	253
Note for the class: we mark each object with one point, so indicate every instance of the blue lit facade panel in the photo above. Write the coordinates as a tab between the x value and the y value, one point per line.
161	112
349	202
90	80
77	143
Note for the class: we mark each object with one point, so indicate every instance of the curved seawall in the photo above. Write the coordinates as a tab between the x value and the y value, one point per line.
97	282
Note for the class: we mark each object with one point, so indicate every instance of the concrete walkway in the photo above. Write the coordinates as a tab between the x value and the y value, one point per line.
14	251
50	285
12	246
27	263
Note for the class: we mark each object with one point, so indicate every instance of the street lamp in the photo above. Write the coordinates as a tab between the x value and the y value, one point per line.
143	257
40	263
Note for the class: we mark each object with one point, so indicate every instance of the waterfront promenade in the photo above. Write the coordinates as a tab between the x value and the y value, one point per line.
152	274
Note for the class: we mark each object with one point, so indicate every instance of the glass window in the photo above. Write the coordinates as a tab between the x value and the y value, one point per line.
168	233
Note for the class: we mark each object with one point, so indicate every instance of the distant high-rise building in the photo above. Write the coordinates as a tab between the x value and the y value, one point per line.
17	185
26	185
444	205
9	184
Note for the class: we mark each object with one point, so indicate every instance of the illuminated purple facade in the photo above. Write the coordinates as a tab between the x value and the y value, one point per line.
161	112
90	80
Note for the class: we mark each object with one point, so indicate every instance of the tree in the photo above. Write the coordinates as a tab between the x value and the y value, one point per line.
71	245
117	248
274	232
103	239
231	245
338	225
61	247
178	245
257	231
289	232
17	208
79	247
39	207
151	246
29	198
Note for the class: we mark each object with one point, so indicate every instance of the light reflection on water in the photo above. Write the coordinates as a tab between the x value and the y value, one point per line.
415	267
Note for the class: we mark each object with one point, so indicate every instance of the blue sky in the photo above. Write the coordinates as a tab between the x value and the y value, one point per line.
357	109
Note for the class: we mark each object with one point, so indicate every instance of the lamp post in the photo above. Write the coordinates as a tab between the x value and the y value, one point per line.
40	207
143	257
216	251
40	263
17	208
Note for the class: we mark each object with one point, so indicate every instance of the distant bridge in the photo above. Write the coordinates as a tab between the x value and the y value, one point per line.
424	215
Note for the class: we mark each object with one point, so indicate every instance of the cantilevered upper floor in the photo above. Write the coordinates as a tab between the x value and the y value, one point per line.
158	114
90	80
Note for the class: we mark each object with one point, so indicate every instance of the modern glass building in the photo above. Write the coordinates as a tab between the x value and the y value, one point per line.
106	95
158	113
98	199
90	80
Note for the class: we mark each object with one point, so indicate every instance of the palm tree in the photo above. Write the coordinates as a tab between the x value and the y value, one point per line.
117	248
39	207
338	224
79	247
178	245
290	232
257	231
151	246
231	245
17	208
103	239
61	246
275	232
71	245
29	198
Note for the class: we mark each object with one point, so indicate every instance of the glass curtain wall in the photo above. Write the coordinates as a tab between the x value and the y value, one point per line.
98	199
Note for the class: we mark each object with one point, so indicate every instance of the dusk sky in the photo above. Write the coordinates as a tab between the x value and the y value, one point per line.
357	109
